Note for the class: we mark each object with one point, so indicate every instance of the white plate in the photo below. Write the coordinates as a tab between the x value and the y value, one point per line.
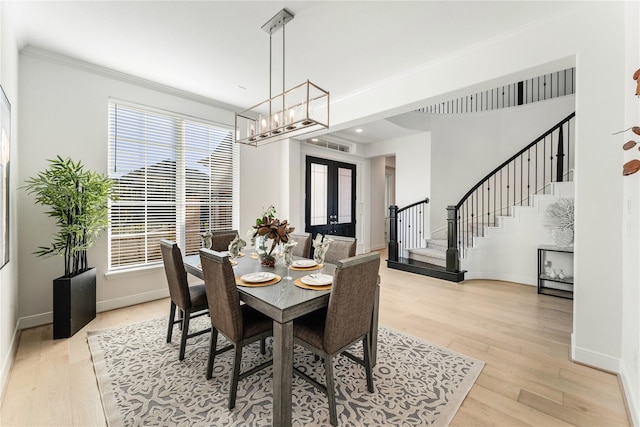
304	263
258	277
317	279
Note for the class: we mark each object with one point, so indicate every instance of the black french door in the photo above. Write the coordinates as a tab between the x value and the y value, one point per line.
330	201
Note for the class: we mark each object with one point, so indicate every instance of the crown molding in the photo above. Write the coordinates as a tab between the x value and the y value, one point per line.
54	57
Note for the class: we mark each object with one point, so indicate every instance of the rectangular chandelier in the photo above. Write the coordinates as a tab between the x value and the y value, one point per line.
297	111
300	110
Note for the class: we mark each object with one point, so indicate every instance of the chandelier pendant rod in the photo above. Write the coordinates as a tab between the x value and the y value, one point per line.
262	123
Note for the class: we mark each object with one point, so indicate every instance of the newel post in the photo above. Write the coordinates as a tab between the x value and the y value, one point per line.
393	233
453	259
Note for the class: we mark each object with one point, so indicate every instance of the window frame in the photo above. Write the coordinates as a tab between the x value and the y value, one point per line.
180	203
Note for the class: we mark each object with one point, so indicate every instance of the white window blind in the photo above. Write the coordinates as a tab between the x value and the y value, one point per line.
175	178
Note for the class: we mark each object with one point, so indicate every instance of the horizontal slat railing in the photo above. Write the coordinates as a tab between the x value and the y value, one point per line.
550	158
407	227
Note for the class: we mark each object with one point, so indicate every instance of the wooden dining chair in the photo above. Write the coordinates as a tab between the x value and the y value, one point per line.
303	248
220	239
347	319
191	301
239	323
341	248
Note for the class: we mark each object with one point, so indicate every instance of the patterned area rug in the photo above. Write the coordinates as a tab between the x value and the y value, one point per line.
142	382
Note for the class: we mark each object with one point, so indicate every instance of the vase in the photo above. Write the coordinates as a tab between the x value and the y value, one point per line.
562	237
266	259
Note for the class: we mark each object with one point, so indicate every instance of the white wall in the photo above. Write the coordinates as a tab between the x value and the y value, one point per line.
378	208
413	165
63	112
629	366
9	313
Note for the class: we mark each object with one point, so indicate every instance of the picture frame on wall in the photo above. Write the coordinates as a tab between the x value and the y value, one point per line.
5	150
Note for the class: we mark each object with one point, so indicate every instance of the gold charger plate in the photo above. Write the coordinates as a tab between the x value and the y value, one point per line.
313	267
299	284
273	281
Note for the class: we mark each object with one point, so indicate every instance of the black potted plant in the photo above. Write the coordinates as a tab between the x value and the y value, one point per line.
78	201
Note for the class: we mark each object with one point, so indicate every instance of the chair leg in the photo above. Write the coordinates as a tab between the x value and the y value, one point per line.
185	332
172	316
212	352
180	318
331	393
366	349
263	346
235	375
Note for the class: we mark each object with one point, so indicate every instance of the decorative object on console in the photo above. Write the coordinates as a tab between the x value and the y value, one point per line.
559	217
299	110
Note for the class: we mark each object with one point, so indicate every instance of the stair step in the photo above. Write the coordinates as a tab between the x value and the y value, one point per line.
428	255
441	244
426	269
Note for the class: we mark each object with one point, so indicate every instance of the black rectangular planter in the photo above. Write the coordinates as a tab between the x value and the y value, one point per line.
74	303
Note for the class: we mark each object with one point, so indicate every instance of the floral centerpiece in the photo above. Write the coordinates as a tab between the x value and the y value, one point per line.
268	227
559	217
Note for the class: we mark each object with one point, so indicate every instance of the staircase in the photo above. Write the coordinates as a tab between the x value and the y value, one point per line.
497	248
521	186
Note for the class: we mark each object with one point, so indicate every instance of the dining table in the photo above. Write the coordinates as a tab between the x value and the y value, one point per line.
283	301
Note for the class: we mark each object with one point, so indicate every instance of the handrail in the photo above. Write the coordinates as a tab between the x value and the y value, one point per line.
510	184
407	227
426	200
512	158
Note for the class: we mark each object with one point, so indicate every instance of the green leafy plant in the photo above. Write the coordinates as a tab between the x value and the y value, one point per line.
78	200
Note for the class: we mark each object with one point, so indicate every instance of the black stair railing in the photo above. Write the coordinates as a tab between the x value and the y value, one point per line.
530	171
406	228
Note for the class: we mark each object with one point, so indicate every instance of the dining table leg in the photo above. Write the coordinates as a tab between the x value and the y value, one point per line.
282	373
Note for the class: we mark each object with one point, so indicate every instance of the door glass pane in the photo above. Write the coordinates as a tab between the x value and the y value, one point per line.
344	195
319	180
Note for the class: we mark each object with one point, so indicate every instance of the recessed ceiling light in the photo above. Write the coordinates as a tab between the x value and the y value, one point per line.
314	139
359	130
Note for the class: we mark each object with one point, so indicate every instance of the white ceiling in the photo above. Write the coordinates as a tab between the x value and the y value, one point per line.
217	49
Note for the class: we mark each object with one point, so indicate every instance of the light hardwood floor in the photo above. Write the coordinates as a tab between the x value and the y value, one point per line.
522	337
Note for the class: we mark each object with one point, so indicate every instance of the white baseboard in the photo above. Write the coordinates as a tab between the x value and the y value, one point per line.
7	363
35	320
593	359
523	280
132	300
112	304
630	398
377	247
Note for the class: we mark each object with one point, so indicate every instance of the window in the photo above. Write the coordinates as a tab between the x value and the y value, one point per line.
175	178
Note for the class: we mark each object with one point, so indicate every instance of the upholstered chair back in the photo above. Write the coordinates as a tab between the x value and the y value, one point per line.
222	294
351	301
176	274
